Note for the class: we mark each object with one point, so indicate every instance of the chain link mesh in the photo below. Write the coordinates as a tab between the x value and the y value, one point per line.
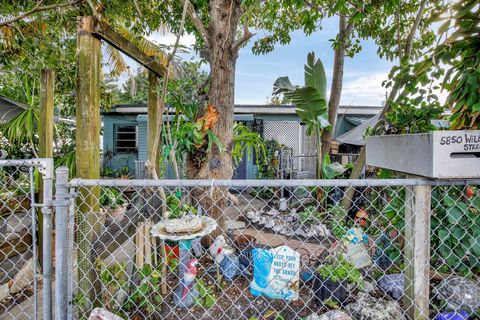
354	260
18	253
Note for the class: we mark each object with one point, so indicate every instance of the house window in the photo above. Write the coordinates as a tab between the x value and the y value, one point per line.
125	139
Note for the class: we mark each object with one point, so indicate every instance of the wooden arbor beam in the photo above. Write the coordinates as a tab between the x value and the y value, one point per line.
107	33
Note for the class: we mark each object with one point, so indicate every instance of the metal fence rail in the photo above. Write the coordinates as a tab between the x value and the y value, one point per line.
19	225
406	248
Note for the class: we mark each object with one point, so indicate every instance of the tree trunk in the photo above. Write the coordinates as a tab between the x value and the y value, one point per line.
360	163
344	31
225	16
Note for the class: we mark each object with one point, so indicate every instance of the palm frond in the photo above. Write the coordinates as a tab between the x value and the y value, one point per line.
149	48
115	59
22	128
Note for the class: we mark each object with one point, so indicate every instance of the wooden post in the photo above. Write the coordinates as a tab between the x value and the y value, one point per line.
45	137
153	113
417	252
88	158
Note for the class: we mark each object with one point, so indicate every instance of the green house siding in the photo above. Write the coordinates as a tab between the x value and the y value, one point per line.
142	137
111	159
118	161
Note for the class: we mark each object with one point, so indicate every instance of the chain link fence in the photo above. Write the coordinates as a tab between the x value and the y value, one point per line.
22	278
274	250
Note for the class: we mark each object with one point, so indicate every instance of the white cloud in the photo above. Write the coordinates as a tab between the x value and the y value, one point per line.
167	38
366	88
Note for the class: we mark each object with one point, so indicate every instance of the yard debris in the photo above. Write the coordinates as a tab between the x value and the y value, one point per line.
392	284
102	314
23	278
288	223
461	315
459	293
368	307
330	315
4	291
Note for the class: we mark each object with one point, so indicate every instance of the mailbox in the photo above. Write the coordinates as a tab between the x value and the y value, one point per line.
437	154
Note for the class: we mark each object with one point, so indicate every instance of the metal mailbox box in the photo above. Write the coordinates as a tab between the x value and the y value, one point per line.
437	154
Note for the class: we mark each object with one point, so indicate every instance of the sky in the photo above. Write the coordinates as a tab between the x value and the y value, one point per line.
255	75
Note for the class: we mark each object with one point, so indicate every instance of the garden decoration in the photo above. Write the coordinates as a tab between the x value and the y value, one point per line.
113	204
459	293
357	254
225	258
333	278
461	315
276	273
184	230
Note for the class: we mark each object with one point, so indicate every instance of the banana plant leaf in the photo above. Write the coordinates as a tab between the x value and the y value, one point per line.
310	100
315	76
331	170
310	107
283	85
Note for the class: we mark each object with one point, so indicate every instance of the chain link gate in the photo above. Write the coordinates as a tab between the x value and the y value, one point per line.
406	249
20	286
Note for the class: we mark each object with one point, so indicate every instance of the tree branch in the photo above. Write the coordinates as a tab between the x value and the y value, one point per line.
413	30
197	22
244	38
38	8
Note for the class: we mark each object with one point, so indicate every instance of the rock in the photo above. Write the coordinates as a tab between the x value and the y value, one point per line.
392	284
459	293
102	314
233	199
330	315
367	307
320	230
273	212
4	291
23	278
235	225
301	232
367	286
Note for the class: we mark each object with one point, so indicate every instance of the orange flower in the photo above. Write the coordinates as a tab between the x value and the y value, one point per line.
470	192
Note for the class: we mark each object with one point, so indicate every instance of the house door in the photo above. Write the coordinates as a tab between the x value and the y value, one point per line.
241	171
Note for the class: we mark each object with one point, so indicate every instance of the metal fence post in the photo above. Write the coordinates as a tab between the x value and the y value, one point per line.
47	238
61	224
417	251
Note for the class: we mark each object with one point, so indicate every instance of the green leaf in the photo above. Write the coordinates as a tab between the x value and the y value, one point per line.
476	107
454	215
209	301
315	75
444	27
283	85
476	202
443	235
449	202
310	105
475	245
323	121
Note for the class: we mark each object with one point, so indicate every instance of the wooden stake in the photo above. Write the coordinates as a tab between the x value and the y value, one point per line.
88	158
45	133
148	242
417	252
